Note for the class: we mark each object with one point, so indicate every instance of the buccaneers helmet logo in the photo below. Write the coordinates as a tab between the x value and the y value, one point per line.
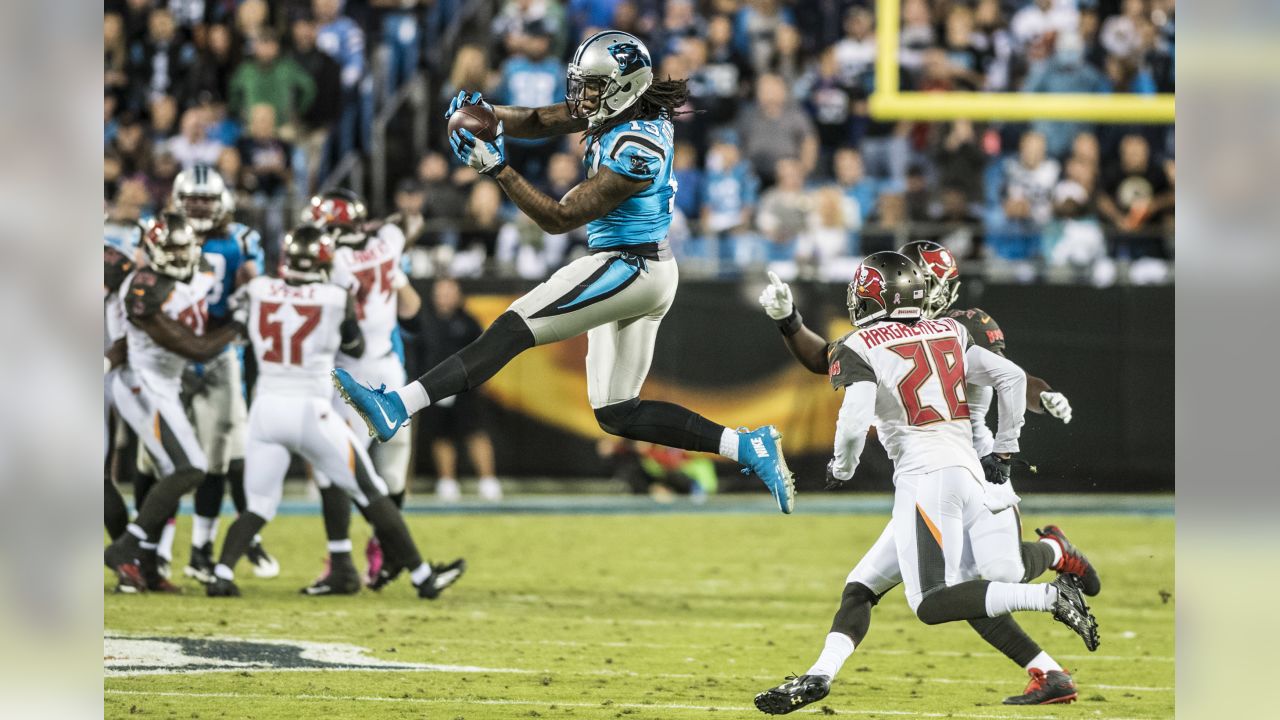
332	211
940	262
870	285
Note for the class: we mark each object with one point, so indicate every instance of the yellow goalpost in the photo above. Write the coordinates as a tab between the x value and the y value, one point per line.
890	104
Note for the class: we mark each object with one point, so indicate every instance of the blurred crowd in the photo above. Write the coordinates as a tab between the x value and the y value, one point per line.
777	158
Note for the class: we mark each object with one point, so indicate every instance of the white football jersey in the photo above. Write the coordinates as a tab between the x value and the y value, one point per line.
921	400
146	291
295	331
374	275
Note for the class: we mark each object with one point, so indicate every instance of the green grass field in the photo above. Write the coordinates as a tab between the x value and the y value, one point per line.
643	616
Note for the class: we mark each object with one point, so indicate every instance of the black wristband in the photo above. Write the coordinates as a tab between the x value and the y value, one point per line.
791	324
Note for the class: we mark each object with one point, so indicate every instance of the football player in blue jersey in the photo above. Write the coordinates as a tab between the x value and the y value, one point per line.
215	389
619	293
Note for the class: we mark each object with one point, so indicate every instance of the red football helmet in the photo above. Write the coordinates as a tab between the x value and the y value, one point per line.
941	275
307	255
341	213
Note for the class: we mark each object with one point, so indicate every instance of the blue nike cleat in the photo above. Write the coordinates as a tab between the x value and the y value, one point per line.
760	451
382	411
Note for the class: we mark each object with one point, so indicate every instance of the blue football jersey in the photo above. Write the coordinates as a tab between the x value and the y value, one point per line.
226	251
641	150
122	236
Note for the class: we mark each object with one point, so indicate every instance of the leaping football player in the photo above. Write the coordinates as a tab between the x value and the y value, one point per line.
620	292
910	375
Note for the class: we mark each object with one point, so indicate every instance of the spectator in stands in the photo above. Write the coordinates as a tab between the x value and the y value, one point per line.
959	160
271	79
657	471
528	251
478	233
211	72
398	22
228	166
828	234
726	72
775	129
131	145
115	52
251	20
194	146
135	14
469	72
918	195
519	16
1065	72
958	227
1135	196
164	168
680	22
112	174
855	53
163	116
445	328
266	174
409	201
967	53
784	58
784	211
132	201
1034	26
855	185
531	78
917	35
160	61
729	192
758	23
343	40
995	43
1076	237
1029	182
830	103
890	231
689	179
322	116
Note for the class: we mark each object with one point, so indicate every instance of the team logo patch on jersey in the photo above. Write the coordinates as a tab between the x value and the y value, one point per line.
639	164
629	56
870	285
940	262
834	370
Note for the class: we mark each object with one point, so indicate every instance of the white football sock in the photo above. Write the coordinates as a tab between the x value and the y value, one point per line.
1004	598
203	530
729	444
1057	551
838	649
223	572
414	397
165	548
136	531
420	574
1043	663
340	546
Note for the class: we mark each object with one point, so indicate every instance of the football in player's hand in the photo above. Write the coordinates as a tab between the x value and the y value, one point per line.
478	119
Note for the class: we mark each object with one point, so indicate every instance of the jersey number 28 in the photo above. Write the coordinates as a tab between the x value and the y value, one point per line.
942	357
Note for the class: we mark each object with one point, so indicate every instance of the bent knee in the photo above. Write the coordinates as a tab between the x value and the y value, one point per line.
1008	570
615	418
931	610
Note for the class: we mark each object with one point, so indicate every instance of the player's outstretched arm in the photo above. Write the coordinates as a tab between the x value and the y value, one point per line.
806	346
589	200
539	122
983	367
178	338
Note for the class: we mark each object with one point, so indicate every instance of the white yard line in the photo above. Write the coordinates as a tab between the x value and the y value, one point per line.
571	704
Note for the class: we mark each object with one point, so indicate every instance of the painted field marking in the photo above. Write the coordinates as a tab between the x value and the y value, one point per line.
571	704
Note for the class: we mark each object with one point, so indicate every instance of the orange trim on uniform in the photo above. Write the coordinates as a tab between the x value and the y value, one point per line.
156	426
351	458
933	529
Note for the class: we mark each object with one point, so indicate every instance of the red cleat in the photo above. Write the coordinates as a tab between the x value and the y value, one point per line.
1073	561
1046	688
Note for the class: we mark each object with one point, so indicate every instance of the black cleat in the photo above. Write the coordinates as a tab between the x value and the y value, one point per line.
221	587
264	565
149	565
1071	610
442	577
164	567
793	694
200	565
388	573
340	578
1073	561
122	557
1046	688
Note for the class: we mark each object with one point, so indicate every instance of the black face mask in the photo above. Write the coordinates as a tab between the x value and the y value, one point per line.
579	89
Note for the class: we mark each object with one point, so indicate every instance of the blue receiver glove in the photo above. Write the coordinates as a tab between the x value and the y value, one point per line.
463	98
487	158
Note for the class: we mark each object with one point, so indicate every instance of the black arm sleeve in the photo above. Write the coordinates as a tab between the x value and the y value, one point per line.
352	338
847	367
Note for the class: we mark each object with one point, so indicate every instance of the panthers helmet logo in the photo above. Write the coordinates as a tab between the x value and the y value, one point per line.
870	285
629	57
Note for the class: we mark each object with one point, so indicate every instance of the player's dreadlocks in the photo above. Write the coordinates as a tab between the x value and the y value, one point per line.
661	100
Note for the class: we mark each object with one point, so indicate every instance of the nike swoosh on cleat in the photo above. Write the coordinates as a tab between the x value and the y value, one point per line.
446	578
758	445
384	415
